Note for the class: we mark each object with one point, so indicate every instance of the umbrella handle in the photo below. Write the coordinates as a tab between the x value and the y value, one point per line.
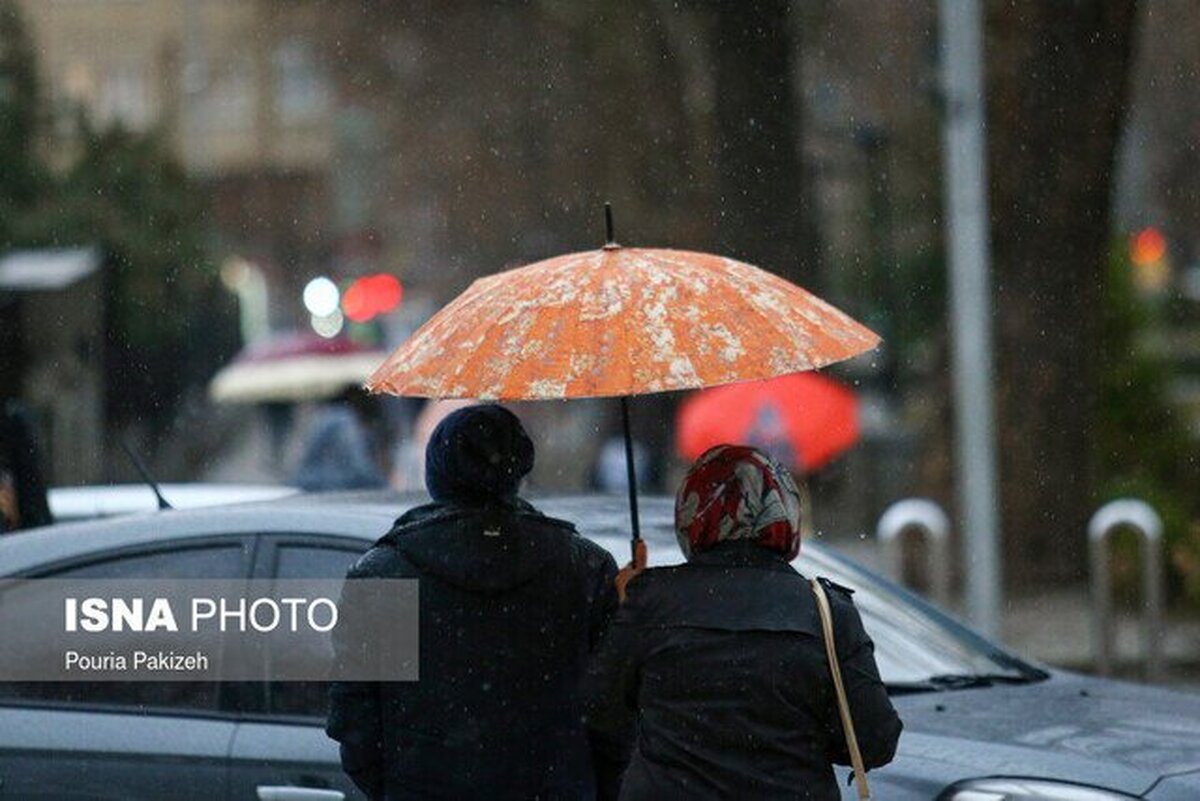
631	570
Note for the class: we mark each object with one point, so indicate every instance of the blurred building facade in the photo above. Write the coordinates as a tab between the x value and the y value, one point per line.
236	87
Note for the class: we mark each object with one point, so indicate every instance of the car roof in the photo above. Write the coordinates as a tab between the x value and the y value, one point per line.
359	515
88	502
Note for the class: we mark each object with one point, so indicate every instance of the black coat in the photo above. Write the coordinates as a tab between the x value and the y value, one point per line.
512	604
723	663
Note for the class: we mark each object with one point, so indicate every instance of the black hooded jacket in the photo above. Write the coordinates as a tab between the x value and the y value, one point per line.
722	662
512	603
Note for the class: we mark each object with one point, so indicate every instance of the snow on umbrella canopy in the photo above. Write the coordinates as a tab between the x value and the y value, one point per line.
617	322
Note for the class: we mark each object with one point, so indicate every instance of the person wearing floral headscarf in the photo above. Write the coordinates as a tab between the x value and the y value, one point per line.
721	661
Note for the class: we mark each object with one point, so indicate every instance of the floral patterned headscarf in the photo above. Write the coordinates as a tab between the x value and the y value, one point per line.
734	492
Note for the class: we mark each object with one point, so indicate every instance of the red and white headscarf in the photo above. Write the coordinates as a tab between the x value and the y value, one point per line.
734	492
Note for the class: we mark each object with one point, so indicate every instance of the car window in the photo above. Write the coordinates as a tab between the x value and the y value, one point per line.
314	561
218	561
222	561
301	561
912	642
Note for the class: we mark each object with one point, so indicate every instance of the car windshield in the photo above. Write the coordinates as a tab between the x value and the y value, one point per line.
916	646
914	643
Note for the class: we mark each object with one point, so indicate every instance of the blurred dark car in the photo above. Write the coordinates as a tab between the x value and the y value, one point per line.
980	723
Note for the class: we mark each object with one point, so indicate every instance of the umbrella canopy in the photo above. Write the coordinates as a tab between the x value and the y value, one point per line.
617	322
293	367
804	419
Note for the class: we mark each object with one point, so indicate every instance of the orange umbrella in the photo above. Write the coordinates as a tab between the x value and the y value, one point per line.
618	322
802	419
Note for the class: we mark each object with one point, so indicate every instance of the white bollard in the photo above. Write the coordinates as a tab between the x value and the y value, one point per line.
1140	517
926	517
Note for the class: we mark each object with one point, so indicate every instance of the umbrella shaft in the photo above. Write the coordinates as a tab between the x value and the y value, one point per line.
631	473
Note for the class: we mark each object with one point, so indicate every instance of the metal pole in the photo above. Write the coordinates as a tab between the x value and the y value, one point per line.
631	473
970	304
1101	592
1152	598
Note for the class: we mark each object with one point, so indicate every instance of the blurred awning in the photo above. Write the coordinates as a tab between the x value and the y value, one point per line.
294	367
47	270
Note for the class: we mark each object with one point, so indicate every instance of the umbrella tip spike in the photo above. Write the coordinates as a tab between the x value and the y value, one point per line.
610	237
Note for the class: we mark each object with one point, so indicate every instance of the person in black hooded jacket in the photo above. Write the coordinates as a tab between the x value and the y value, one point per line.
722	659
512	603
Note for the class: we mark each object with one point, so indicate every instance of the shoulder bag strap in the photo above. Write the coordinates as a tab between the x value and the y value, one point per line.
835	670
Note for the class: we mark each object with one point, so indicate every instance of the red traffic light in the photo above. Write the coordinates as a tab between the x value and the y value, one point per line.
372	295
1147	246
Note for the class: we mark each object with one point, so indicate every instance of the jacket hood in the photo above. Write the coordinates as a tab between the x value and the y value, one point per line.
485	549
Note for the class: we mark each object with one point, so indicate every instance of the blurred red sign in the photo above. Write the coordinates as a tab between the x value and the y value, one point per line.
372	295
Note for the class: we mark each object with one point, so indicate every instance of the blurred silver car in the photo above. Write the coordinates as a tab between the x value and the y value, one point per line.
73	504
981	724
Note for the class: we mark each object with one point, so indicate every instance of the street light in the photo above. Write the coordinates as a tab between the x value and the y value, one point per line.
321	297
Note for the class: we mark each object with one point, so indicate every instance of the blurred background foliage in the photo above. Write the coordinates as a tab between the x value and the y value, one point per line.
23	173
1143	446
126	194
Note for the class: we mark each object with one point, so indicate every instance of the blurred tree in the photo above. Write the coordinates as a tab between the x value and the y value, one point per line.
504	153
765	206
128	195
21	173
1142	444
1057	76
685	115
